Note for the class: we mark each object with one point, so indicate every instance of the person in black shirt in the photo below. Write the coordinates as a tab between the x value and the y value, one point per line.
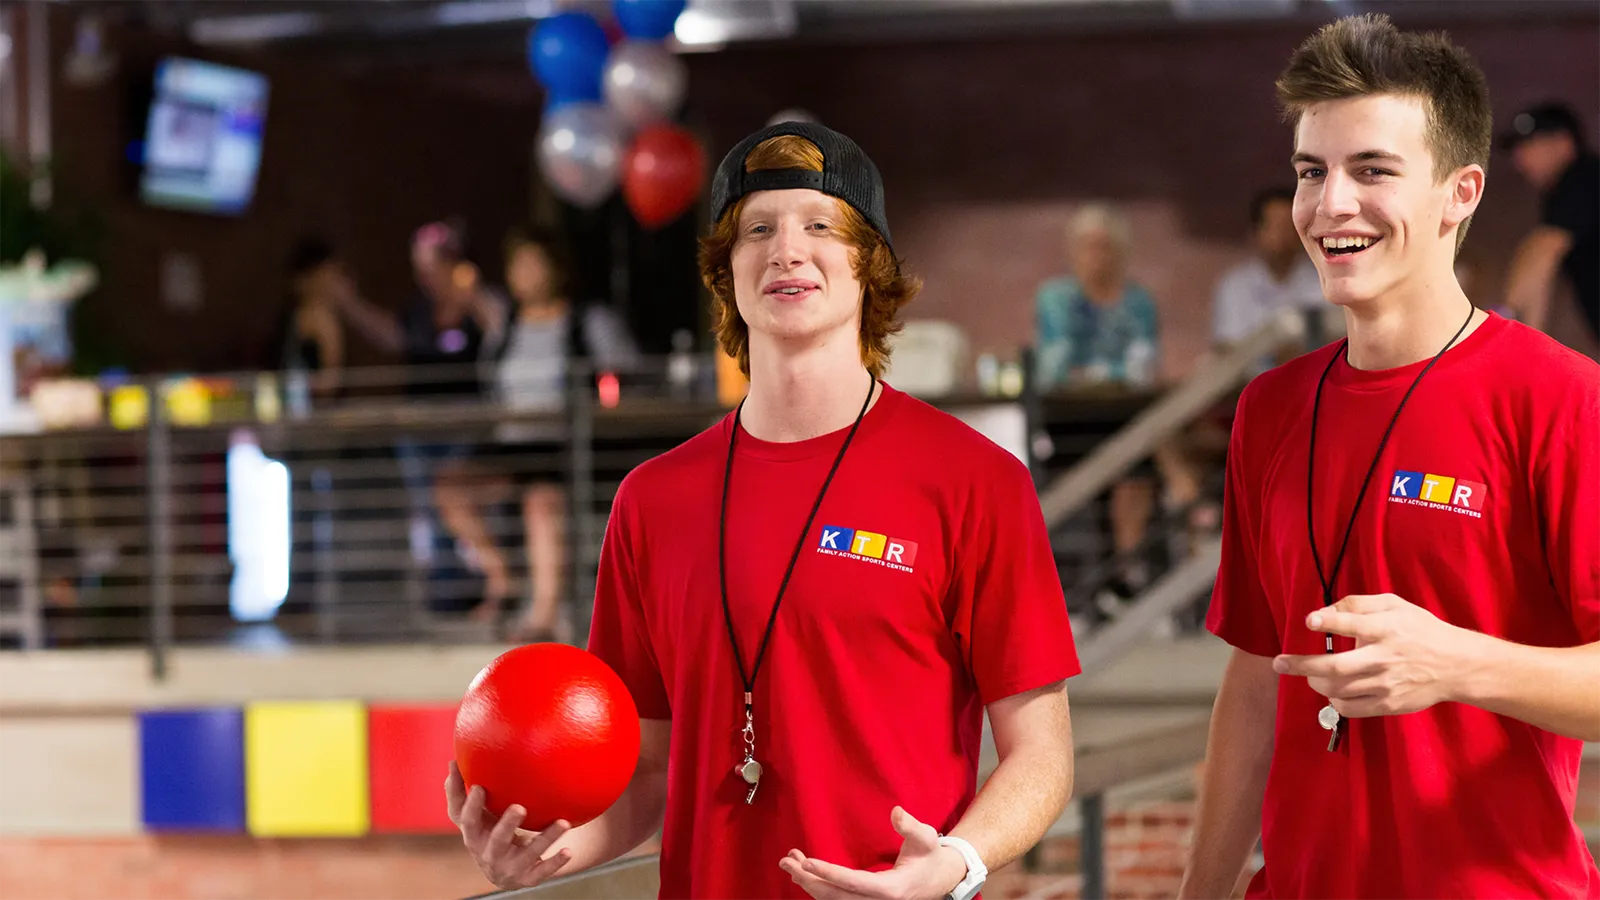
442	337
442	334
310	335
1548	147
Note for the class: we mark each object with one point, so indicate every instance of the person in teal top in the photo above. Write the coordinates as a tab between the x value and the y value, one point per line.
1099	326
1096	325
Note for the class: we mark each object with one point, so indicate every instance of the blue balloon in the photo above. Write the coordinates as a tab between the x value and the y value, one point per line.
648	20
568	54
555	99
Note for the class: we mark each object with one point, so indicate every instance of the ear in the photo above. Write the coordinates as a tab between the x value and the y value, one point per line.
1466	192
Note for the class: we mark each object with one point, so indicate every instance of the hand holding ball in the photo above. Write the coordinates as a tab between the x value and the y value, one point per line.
551	728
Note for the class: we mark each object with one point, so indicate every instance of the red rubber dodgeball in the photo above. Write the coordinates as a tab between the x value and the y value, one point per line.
551	728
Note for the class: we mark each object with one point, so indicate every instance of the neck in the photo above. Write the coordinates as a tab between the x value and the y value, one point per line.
1105	289
541	307
797	395
1400	330
1281	266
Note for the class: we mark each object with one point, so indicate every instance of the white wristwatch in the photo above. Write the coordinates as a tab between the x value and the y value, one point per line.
976	871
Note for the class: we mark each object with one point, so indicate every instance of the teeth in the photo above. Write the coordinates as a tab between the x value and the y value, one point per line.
790	290
1342	243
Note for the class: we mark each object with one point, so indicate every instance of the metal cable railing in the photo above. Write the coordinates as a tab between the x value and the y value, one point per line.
244	509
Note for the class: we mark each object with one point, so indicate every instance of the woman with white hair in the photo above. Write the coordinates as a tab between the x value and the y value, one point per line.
1098	326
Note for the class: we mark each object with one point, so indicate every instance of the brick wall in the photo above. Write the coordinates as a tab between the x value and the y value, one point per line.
1145	845
237	868
986	146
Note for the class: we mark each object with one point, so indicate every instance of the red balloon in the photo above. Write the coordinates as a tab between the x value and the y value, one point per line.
663	174
549	727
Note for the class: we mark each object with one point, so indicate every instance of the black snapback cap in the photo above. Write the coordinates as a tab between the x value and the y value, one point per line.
847	173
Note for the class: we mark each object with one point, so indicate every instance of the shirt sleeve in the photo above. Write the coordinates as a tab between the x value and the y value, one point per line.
618	633
1149	319
1010	616
1568	483
1570	207
1226	326
1052	337
1239	611
1150	329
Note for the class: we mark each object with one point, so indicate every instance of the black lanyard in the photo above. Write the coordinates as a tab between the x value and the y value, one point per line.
1331	578
749	681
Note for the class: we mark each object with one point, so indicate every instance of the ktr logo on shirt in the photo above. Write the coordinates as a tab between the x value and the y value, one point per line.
868	546
1439	492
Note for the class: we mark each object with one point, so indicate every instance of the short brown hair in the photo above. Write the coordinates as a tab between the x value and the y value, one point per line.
1360	56
886	287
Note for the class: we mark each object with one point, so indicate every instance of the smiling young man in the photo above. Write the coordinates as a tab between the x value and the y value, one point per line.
1411	547
815	602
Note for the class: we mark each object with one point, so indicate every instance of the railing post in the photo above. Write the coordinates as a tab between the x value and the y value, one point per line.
1092	846
326	598
580	484
1032	414
158	486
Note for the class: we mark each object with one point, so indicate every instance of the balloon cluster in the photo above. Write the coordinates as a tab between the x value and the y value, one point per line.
608	118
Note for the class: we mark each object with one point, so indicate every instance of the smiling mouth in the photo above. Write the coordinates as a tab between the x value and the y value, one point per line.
1347	246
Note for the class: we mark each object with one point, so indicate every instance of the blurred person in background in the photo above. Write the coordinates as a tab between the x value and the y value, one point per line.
452	317
442	339
313	335
1277	277
1098	326
529	372
1548	149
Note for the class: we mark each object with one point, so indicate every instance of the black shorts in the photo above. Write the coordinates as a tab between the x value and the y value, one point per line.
527	462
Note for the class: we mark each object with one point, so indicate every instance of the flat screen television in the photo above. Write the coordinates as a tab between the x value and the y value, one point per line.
202	144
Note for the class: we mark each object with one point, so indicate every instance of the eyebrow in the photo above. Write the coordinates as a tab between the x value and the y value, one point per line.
1363	156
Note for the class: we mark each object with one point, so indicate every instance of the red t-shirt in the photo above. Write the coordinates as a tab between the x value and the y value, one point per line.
1485	511
926	589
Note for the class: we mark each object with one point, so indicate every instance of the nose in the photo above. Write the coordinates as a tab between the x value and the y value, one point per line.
788	247
1338	200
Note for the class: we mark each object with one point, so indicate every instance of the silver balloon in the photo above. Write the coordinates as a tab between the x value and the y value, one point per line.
644	82
580	152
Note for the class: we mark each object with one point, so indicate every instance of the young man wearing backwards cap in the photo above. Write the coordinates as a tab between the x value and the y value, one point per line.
1411	544
814	602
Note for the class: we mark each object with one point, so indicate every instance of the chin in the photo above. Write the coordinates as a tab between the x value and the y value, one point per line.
1345	291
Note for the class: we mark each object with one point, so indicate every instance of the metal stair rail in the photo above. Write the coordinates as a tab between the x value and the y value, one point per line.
1117	455
1171	592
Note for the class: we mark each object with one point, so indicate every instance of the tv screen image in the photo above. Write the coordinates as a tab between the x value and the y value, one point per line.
202	145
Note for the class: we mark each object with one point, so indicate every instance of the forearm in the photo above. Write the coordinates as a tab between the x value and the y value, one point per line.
1554	688
375	324
1528	294
1019	802
1532	276
629	822
1238	758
